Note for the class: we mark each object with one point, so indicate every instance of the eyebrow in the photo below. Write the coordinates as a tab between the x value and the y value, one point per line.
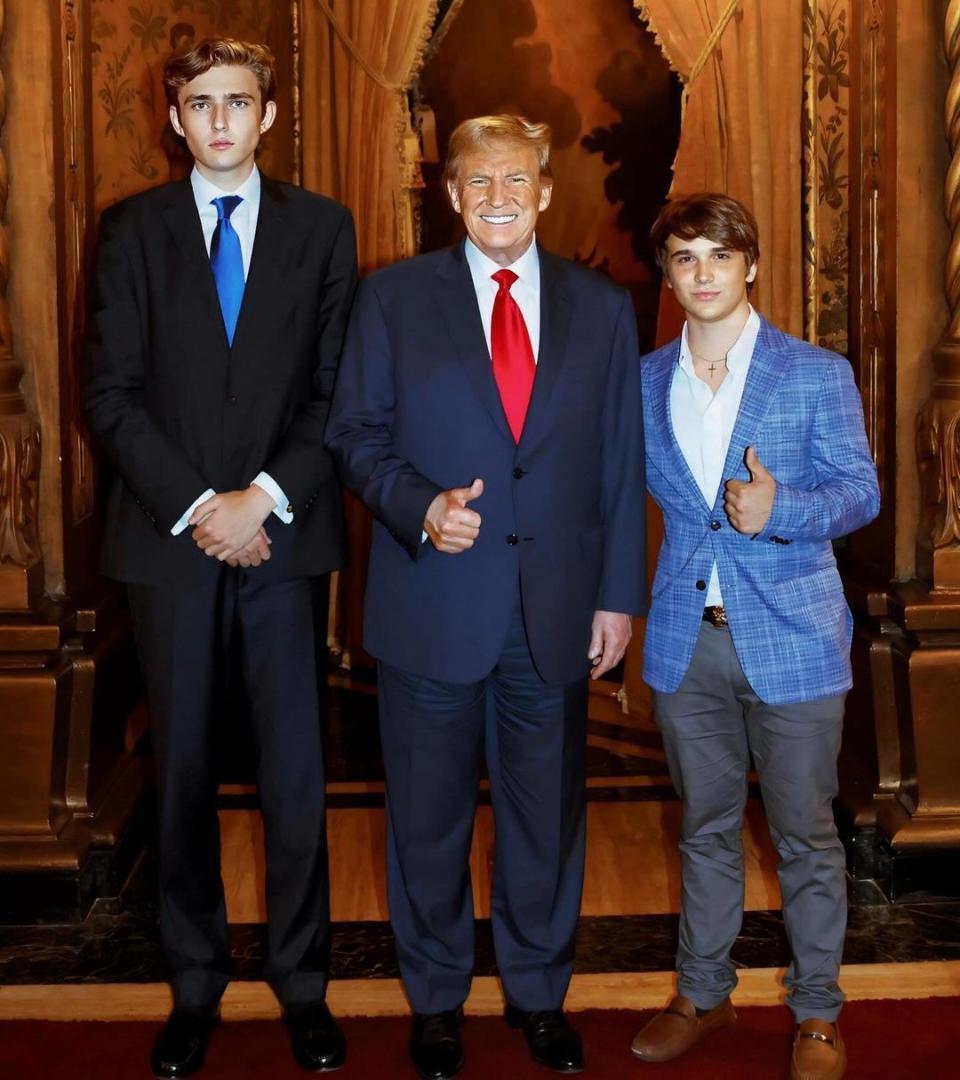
689	251
507	176
243	96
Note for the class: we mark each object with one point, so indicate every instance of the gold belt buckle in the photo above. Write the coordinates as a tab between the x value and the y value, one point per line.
716	615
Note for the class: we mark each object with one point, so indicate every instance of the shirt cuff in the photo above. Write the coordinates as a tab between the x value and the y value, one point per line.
185	520
283	508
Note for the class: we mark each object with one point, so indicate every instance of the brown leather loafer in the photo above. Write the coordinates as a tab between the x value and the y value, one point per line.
818	1052
678	1029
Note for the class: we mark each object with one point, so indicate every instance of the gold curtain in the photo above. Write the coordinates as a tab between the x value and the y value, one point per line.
359	59
741	62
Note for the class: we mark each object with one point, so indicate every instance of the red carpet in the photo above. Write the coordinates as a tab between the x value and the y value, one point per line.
892	1040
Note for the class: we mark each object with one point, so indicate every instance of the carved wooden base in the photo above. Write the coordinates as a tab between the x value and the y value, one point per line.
21	586
69	783
924	814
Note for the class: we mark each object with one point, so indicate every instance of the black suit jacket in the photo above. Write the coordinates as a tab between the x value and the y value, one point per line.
179	411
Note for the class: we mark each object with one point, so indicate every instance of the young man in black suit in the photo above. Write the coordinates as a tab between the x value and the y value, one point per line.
217	315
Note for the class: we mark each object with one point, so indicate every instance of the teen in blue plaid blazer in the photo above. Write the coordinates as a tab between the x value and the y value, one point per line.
757	456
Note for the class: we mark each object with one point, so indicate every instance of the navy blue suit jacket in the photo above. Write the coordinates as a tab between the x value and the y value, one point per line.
416	411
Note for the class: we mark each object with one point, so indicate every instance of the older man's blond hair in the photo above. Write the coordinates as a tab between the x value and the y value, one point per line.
487	131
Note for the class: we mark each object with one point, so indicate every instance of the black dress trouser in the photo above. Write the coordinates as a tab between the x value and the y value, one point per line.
185	638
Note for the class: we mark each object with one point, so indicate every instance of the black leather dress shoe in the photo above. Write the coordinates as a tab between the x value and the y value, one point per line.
551	1039
318	1043
435	1046
181	1046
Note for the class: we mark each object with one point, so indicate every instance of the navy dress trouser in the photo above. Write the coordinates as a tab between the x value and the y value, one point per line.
434	736
185	638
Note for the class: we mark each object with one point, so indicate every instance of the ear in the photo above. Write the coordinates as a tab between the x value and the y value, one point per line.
269	115
454	195
175	121
751	274
546	192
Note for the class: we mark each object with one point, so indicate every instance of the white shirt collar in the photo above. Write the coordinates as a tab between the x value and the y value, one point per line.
204	192
527	267
741	351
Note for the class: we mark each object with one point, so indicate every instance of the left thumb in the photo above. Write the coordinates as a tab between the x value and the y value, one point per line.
757	471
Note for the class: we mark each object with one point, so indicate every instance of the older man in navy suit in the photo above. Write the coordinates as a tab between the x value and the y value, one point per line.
488	413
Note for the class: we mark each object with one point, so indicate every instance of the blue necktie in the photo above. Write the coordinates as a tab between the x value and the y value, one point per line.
227	262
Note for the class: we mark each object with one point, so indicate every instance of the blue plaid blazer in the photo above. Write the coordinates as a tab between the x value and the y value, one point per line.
789	620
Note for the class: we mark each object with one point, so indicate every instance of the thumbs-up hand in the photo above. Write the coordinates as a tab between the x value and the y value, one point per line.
451	525
748	505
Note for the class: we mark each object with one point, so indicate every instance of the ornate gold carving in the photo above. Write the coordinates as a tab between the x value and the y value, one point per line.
19	432
938	424
296	87
826	171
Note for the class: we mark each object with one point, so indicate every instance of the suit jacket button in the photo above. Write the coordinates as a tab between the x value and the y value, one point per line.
518	473
701	585
512	539
714	525
231	399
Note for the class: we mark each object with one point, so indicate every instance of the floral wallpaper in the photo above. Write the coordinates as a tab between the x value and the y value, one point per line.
826	138
134	145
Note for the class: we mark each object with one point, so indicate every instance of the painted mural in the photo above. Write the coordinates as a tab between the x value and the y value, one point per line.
826	140
134	145
591	70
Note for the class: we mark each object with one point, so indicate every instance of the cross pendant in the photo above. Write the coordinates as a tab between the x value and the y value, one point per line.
713	367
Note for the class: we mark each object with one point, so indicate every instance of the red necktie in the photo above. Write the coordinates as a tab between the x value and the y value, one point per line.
513	363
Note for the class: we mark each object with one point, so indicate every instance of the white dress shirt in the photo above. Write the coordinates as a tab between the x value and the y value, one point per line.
525	290
703	421
244	222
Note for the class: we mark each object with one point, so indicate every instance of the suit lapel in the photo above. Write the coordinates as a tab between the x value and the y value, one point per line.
264	287
457	302
673	464
768	365
183	221
556	310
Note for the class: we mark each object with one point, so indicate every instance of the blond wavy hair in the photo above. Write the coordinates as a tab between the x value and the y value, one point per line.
485	131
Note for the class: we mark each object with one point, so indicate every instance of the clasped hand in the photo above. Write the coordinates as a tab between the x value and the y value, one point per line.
229	526
748	505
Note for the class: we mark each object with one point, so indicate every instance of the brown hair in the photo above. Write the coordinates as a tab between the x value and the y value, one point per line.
183	67
484	131
719	218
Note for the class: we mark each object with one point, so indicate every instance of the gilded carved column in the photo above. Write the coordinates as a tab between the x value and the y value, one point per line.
19	440
938	425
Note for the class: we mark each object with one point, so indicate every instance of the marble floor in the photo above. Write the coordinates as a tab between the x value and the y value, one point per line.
631	896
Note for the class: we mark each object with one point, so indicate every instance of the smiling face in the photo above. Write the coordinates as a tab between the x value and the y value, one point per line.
499	193
709	280
220	115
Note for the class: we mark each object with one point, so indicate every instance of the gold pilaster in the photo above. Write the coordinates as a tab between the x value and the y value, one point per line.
938	424
20	564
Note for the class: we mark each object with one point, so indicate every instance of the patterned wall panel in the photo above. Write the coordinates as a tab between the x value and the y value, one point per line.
826	143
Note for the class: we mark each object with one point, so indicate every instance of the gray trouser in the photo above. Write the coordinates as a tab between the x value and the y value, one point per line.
710	726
